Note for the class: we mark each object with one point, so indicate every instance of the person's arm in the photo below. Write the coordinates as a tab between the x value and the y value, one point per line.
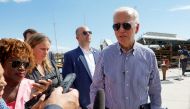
67	65
59	100
69	100
51	56
155	86
188	54
40	87
98	80
57	72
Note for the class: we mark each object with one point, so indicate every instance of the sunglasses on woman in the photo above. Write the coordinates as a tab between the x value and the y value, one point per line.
17	64
126	26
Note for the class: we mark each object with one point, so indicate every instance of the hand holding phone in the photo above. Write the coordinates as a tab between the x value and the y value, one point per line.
65	84
69	100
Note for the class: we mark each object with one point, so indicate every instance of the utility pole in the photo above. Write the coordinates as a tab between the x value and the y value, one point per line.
54	28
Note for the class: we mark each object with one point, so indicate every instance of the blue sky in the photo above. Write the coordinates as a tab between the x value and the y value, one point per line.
167	16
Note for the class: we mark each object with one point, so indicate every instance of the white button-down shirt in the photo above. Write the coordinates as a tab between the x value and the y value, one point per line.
89	59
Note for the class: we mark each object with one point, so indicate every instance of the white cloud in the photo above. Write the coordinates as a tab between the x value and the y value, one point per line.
181	8
21	1
3	1
16	1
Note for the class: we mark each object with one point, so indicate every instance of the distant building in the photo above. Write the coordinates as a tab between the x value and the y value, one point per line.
155	38
105	43
164	45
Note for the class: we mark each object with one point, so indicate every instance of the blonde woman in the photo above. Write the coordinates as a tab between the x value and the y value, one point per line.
44	68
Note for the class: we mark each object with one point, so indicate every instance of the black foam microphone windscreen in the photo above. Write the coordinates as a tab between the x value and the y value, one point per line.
99	101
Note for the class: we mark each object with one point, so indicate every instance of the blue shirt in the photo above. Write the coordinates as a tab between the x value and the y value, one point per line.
127	78
3	105
185	52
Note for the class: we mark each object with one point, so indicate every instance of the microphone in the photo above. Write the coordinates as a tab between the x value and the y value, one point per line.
99	101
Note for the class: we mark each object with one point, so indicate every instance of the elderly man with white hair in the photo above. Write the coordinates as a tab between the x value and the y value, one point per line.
126	70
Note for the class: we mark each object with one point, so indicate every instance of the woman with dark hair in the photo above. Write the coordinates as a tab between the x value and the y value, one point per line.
17	59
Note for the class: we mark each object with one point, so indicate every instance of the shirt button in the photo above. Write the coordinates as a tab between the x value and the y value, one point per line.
127	84
126	98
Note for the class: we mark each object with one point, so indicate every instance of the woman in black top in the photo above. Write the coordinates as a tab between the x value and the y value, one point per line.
45	68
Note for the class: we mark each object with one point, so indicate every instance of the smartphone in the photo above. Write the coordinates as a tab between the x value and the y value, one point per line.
46	78
65	84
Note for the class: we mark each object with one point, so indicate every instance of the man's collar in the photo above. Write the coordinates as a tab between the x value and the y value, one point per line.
85	51
133	49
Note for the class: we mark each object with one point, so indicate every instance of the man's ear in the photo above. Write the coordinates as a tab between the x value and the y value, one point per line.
137	28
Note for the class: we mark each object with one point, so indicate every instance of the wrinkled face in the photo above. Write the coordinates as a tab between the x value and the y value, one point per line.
125	28
41	50
84	35
2	81
15	69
